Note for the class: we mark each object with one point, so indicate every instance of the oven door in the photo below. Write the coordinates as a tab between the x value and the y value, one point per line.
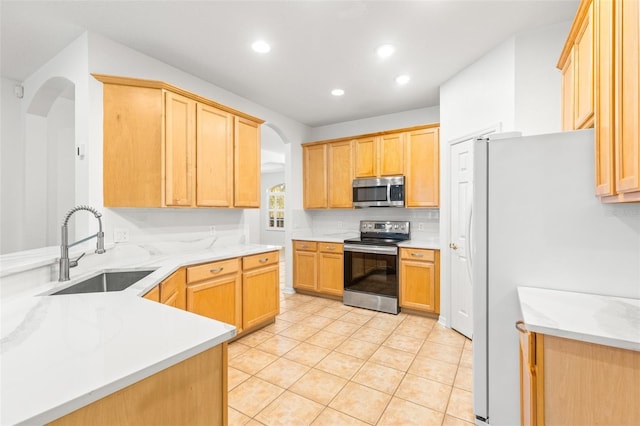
371	269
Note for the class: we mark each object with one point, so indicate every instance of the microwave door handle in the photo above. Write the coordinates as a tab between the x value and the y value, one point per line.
388	192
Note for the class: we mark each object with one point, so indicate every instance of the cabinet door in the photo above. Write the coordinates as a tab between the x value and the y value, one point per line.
528	381
180	114
220	299
627	83
305	270
422	168
260	295
132	146
315	176
331	273
365	152
391	154
172	290
153	294
418	285
567	94
604	100
214	157
340	174
583	67
246	166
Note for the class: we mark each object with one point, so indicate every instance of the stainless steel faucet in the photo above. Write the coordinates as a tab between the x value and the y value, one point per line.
65	263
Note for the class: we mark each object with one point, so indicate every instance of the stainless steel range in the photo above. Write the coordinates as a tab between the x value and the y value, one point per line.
371	266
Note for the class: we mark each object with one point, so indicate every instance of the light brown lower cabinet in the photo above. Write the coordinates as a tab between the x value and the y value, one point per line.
214	290
171	291
260	289
571	382
420	279
318	267
192	392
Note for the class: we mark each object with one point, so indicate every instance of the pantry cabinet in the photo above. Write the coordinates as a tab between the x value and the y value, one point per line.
166	147
260	289
318	267
571	382
609	30
420	280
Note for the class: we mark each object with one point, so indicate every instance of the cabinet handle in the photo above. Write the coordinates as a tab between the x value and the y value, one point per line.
330	248
520	327
304	246
215	270
264	260
417	254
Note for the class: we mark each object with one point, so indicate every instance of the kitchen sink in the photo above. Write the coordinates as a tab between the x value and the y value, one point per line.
106	281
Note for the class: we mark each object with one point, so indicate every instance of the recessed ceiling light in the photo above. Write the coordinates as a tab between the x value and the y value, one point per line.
385	50
337	92
402	79
261	46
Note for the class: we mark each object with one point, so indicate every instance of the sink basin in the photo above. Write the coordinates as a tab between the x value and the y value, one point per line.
106	281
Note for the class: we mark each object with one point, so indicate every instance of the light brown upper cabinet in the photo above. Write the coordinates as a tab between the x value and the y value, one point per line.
328	174
314	169
615	41
166	147
576	64
422	168
329	167
377	156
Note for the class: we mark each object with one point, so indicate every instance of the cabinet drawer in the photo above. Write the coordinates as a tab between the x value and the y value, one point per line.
330	247
418	254
305	245
257	260
212	270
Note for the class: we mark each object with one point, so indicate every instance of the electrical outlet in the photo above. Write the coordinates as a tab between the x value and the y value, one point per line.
420	226
340	224
212	231
120	235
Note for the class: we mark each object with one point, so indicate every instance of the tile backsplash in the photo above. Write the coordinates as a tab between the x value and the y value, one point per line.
424	222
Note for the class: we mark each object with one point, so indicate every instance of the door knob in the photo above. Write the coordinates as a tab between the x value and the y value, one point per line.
453	246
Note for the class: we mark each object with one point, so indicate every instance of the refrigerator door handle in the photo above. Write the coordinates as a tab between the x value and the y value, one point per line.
469	243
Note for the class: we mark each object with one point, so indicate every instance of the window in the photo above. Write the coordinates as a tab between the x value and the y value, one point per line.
275	215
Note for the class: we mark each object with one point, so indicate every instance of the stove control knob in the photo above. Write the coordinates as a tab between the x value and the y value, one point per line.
395	226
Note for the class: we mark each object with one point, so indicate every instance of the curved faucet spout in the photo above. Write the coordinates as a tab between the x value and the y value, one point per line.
65	264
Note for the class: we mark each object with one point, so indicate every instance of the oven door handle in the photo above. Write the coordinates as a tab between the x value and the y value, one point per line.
371	249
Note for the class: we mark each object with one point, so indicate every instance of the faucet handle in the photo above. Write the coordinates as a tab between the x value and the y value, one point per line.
73	263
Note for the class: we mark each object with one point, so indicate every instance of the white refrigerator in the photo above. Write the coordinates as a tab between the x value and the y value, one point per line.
536	222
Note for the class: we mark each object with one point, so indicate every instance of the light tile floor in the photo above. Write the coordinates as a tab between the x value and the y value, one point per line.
323	363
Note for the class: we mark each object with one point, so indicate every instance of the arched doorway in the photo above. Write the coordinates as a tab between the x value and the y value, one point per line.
50	154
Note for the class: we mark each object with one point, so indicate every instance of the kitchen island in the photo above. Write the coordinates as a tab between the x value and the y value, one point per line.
579	358
63	354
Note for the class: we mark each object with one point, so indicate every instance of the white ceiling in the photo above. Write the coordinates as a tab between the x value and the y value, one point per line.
316	45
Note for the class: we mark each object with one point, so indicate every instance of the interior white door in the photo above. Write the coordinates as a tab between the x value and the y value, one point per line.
461	180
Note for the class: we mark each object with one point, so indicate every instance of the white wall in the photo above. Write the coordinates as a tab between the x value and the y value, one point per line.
60	170
379	123
538	84
11	169
514	87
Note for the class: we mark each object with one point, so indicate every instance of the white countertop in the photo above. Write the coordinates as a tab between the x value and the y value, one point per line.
430	243
59	353
604	320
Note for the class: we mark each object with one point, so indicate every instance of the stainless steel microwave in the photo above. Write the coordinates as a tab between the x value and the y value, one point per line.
378	192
